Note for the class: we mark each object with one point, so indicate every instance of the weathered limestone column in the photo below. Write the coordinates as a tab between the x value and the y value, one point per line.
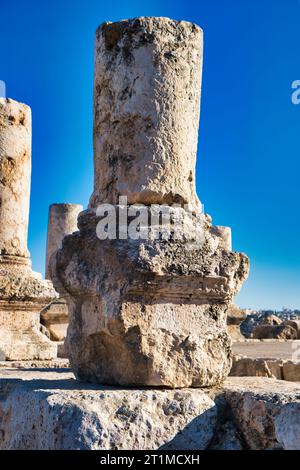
23	293
62	221
15	170
146	111
146	309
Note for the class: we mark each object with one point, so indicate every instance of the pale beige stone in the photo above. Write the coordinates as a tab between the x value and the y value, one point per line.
146	111
62	221
23	293
148	311
267	348
48	365
15	170
69	415
245	413
266	411
224	235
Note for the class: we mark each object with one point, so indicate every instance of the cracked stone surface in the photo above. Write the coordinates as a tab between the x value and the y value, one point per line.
15	171
57	412
62	221
48	409
146	111
23	293
148	311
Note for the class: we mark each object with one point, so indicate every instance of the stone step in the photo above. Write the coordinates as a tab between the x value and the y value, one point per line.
244	413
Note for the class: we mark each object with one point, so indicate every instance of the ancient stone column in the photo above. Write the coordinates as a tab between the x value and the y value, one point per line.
15	170
23	293
148	307
146	111
62	221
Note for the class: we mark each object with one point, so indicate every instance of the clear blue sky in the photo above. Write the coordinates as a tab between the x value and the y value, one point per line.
248	155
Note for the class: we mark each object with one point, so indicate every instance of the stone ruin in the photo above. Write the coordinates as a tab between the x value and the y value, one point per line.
148	311
136	304
62	221
144	310
23	293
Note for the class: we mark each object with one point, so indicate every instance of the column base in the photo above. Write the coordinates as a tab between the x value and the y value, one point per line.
23	294
149	312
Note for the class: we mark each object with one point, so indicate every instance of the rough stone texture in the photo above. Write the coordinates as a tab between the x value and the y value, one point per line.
23	293
15	170
266	411
247	366
277	358
294	324
55	318
227	437
62	221
225	235
53	411
274	332
148	312
58	363
146	111
50	410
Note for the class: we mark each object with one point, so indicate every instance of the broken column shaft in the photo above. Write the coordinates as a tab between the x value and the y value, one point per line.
62	221
23	293
15	170
146	111
146	310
